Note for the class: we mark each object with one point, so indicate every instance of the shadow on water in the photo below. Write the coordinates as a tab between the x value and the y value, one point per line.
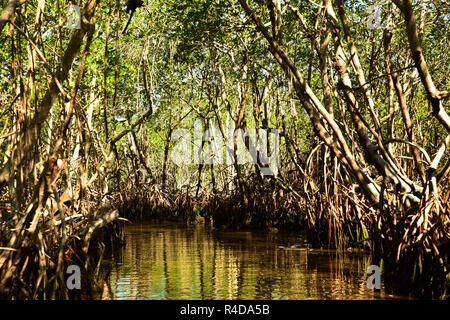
172	261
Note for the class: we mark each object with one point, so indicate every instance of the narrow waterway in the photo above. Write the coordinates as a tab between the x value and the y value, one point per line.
173	261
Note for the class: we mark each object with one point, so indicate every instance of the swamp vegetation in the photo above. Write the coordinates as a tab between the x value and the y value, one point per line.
353	102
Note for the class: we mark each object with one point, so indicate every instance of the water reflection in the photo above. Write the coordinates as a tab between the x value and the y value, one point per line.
169	261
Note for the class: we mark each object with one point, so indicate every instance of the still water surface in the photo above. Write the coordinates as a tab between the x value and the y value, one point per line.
173	261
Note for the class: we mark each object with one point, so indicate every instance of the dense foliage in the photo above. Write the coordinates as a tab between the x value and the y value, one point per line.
91	119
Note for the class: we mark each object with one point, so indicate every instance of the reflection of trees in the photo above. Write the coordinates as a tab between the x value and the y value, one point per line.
197	263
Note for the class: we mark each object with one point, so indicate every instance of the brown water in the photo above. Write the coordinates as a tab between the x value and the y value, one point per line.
172	261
